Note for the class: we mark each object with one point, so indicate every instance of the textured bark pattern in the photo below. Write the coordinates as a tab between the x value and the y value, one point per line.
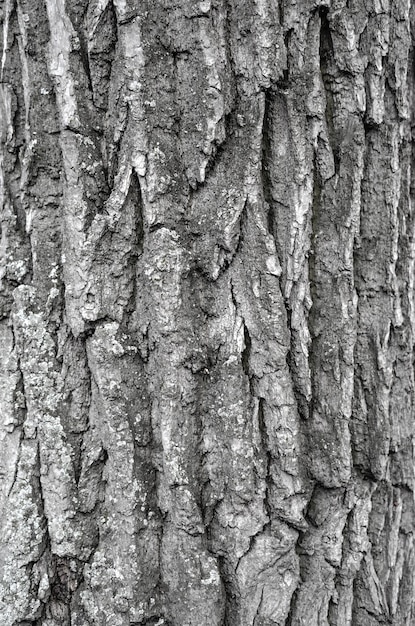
207	313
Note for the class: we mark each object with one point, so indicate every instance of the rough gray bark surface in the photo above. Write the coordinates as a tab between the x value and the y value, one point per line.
207	313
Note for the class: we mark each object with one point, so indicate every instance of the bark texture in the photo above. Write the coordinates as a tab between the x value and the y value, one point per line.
207	313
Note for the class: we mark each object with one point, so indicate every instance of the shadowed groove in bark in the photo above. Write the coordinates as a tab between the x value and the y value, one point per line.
266	160
313	315
102	54
326	55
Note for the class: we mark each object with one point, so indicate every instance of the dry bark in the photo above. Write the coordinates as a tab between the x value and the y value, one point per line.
207	313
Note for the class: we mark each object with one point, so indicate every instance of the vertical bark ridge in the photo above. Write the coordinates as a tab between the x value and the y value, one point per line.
206	299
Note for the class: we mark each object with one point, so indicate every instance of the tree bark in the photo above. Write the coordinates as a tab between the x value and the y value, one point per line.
207	313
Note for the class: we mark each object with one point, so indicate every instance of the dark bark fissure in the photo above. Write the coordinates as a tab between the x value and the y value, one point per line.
312	261
101	57
267	450
267	157
327	69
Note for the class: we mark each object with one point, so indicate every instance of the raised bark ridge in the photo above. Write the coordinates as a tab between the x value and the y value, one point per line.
207	313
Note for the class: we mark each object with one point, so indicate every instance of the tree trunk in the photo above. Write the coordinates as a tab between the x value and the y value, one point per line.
207	313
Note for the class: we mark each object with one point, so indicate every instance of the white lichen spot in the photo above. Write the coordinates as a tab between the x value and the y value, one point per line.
205	6
273	266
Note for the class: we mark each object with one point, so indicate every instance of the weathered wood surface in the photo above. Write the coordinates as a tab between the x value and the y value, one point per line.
207	313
